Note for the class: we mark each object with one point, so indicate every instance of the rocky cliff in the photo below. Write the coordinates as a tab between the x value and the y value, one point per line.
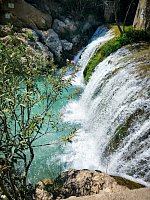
142	18
82	183
62	26
22	14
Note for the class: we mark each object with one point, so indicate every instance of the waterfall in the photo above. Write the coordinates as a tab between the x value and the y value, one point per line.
101	35
114	115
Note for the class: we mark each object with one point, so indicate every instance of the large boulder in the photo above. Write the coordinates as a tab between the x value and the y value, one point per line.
65	29
34	40
44	49
142	17
25	15
83	182
53	42
89	182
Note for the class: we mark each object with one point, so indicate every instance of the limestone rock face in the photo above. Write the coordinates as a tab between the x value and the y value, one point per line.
53	42
82	183
58	26
44	49
34	40
85	182
142	17
25	15
65	29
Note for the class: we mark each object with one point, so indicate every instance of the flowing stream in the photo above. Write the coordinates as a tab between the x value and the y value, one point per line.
114	114
48	159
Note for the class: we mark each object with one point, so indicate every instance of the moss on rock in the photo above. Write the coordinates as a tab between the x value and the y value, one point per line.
129	36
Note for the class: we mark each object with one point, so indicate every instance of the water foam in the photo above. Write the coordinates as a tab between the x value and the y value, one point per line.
113	95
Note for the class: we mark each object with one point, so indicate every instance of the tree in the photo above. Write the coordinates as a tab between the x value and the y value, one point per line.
80	8
116	8
21	68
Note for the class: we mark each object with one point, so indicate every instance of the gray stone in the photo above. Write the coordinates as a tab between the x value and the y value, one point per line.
66	45
53	42
59	26
30	33
71	25
64	28
44	50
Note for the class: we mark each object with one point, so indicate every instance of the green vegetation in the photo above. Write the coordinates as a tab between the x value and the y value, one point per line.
30	35
130	36
21	69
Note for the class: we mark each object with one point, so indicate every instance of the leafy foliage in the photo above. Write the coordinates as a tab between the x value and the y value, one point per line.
21	69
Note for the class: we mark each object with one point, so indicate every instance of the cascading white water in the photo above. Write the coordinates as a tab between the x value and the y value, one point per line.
101	35
114	117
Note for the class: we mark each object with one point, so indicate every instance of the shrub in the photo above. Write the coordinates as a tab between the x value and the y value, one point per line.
20	69
30	36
